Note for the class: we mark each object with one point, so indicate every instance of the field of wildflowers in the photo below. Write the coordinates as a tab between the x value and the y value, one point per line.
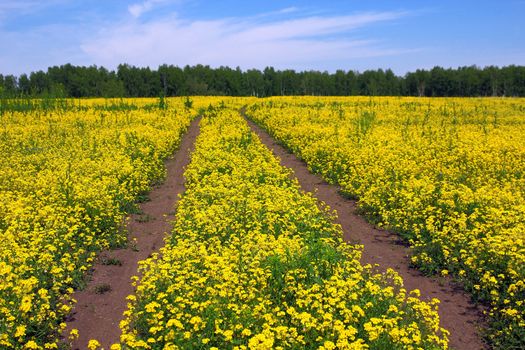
253	262
448	175
69	174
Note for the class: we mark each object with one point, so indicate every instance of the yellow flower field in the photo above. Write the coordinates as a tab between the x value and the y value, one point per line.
68	176
448	175
253	263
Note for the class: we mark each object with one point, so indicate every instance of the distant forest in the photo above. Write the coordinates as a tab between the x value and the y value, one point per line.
168	80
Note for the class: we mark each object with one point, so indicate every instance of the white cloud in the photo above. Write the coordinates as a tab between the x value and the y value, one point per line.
297	43
283	11
137	10
313	26
289	10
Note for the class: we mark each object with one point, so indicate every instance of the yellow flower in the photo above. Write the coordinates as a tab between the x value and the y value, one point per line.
31	345
20	331
328	345
73	334
26	304
93	344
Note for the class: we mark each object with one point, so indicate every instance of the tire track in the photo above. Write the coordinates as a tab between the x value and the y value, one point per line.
100	305
463	319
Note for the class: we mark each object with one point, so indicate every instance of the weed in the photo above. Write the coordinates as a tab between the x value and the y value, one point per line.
133	245
144	218
110	261
102	288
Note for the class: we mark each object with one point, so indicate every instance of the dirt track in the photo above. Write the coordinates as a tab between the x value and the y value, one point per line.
97	316
457	314
97	313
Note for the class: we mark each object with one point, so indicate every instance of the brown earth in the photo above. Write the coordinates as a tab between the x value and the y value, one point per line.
457	313
100	305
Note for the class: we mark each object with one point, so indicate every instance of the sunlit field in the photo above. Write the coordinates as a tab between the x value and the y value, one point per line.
70	171
252	261
447	175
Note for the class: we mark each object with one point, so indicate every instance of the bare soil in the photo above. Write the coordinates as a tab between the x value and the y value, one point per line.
101	304
458	314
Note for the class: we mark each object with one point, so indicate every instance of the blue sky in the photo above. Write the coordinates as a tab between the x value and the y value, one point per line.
301	35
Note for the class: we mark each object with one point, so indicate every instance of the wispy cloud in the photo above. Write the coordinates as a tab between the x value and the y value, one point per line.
289	9
283	11
304	41
36	34
284	38
138	9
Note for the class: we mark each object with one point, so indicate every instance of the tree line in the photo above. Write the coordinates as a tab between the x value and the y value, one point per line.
168	80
